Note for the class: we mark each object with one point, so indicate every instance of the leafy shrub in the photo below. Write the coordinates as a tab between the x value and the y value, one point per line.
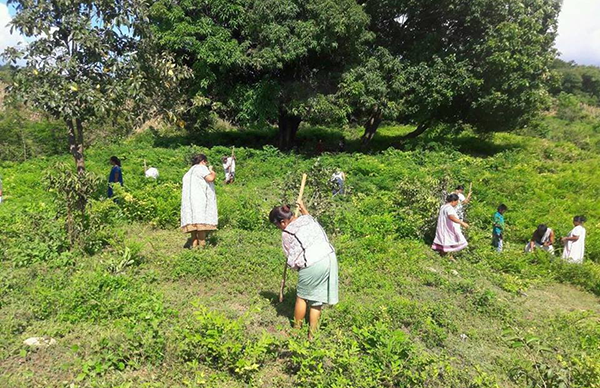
221	342
418	206
569	107
35	238
72	193
22	138
369	355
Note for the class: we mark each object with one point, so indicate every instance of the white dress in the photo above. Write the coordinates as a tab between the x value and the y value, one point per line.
574	250
229	168
198	200
448	234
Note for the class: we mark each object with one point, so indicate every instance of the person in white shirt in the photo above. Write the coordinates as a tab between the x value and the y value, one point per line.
462	200
152	173
229	167
338	179
543	238
575	242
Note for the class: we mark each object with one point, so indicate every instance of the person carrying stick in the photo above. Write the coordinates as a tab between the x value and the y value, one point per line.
229	167
309	251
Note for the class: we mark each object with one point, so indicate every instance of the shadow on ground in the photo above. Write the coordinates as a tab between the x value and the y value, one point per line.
284	309
313	141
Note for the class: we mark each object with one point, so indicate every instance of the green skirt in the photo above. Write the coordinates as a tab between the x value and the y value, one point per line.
318	284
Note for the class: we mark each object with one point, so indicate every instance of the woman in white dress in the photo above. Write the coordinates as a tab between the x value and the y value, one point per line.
229	168
575	242
199	201
448	234
542	238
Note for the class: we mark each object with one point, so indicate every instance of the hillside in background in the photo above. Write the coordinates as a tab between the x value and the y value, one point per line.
133	308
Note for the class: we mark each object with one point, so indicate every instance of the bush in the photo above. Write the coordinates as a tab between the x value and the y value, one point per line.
569	108
216	340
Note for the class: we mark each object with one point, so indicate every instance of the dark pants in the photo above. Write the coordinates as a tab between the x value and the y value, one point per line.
338	187
497	242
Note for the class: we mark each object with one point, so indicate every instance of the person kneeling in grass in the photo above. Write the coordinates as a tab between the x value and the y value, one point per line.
448	234
542	238
575	242
308	250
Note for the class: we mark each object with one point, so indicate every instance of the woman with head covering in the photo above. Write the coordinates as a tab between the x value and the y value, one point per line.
199	201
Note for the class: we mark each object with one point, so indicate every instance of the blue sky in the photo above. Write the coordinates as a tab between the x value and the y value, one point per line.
578	31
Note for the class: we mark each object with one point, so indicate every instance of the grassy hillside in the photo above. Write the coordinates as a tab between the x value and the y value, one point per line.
132	308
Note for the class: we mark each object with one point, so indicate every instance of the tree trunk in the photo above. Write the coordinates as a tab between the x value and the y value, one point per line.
418	131
371	127
24	146
288	127
75	128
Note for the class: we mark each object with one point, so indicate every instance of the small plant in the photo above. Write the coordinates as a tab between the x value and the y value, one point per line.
72	192
216	340
537	372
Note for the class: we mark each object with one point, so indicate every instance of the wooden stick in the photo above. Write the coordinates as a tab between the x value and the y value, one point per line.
232	152
297	212
145	166
304	176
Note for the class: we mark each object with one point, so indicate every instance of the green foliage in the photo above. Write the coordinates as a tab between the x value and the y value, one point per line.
486	64
263	61
418	206
569	108
47	241
89	61
72	192
121	311
219	341
370	354
22	138
583	81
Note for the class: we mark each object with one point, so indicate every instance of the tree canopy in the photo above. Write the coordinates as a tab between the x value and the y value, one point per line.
484	63
88	59
265	60
579	80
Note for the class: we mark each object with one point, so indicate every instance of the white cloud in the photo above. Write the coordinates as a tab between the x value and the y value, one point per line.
6	38
579	31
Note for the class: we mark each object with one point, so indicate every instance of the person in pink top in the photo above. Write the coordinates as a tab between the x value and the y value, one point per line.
309	251
448	234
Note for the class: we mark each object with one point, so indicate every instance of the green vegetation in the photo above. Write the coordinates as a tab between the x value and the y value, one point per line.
473	95
484	63
130	307
583	81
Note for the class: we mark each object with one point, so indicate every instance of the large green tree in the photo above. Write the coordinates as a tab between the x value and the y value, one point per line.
485	63
374	90
278	61
88	60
